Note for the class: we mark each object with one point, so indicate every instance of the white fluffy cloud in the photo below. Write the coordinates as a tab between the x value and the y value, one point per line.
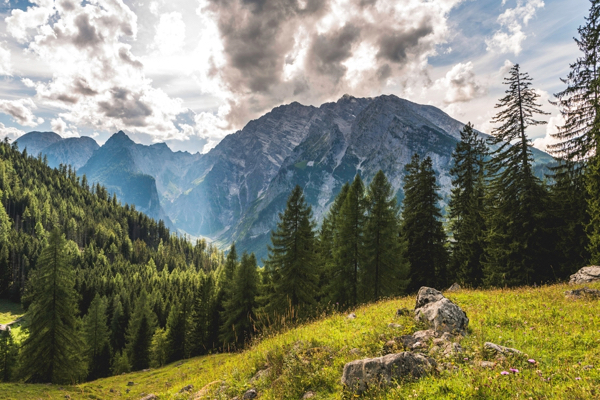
170	34
460	84
5	61
21	112
510	36
96	80
63	129
551	129
10	132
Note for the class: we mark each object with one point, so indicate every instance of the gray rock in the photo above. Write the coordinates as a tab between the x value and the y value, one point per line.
407	341
427	295
454	288
425	336
583	292
186	388
389	346
308	395
359	375
351	316
130	383
492	348
250	394
440	313
453	349
260	375
586	275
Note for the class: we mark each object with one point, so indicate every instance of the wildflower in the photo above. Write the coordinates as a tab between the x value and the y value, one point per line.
531	361
514	370
578	378
504	373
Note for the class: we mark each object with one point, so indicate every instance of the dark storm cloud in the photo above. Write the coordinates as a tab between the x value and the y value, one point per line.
328	51
126	106
394	45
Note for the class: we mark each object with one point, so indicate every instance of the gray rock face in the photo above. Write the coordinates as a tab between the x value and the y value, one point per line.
586	275
359	375
441	314
454	288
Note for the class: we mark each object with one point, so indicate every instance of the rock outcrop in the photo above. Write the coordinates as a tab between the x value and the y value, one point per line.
583	292
586	275
439	313
496	349
359	375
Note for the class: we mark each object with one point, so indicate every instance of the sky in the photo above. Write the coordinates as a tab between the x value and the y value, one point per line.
189	72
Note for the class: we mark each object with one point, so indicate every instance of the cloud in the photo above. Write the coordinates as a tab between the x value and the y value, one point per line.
551	129
5	62
460	84
170	34
96	80
510	36
63	129
276	51
10	132
21	112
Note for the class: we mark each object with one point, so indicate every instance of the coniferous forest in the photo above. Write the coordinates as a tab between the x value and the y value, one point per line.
108	290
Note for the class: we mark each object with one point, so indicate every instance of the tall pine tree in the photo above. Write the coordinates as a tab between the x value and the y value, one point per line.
139	333
53	350
466	208
515	253
240	309
386	267
578	139
291	262
422	226
96	335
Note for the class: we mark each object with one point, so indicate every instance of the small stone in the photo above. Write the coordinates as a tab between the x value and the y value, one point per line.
351	316
260	375
112	390
308	395
493	348
186	388
402	312
146	370
395	326
586	367
250	394
130	383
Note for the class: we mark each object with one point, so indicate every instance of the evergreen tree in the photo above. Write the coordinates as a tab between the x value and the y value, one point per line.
578	140
386	268
239	315
139	333
330	272
515	252
291	260
53	350
466	208
178	326
201	329
231	263
118	325
350	254
96	335
159	348
8	355
422	226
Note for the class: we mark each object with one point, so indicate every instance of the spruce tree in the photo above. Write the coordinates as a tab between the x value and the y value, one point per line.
291	261
203	309
159	348
350	254
139	333
239	315
118	326
466	208
53	350
515	253
386	267
8	355
422	226
578	140
330	273
96	335
178	326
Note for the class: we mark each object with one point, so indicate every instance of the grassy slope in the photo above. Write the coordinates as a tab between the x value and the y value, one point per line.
561	334
9	311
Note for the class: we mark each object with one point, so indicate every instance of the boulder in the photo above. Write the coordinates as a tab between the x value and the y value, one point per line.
359	375
454	288
439	313
583	292
250	394
586	275
492	348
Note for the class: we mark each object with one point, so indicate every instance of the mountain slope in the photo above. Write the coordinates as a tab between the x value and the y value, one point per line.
114	167
73	151
35	142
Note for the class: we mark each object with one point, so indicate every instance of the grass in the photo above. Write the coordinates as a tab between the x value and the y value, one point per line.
9	311
560	333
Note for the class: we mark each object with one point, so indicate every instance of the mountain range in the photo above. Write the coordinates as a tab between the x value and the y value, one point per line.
236	191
